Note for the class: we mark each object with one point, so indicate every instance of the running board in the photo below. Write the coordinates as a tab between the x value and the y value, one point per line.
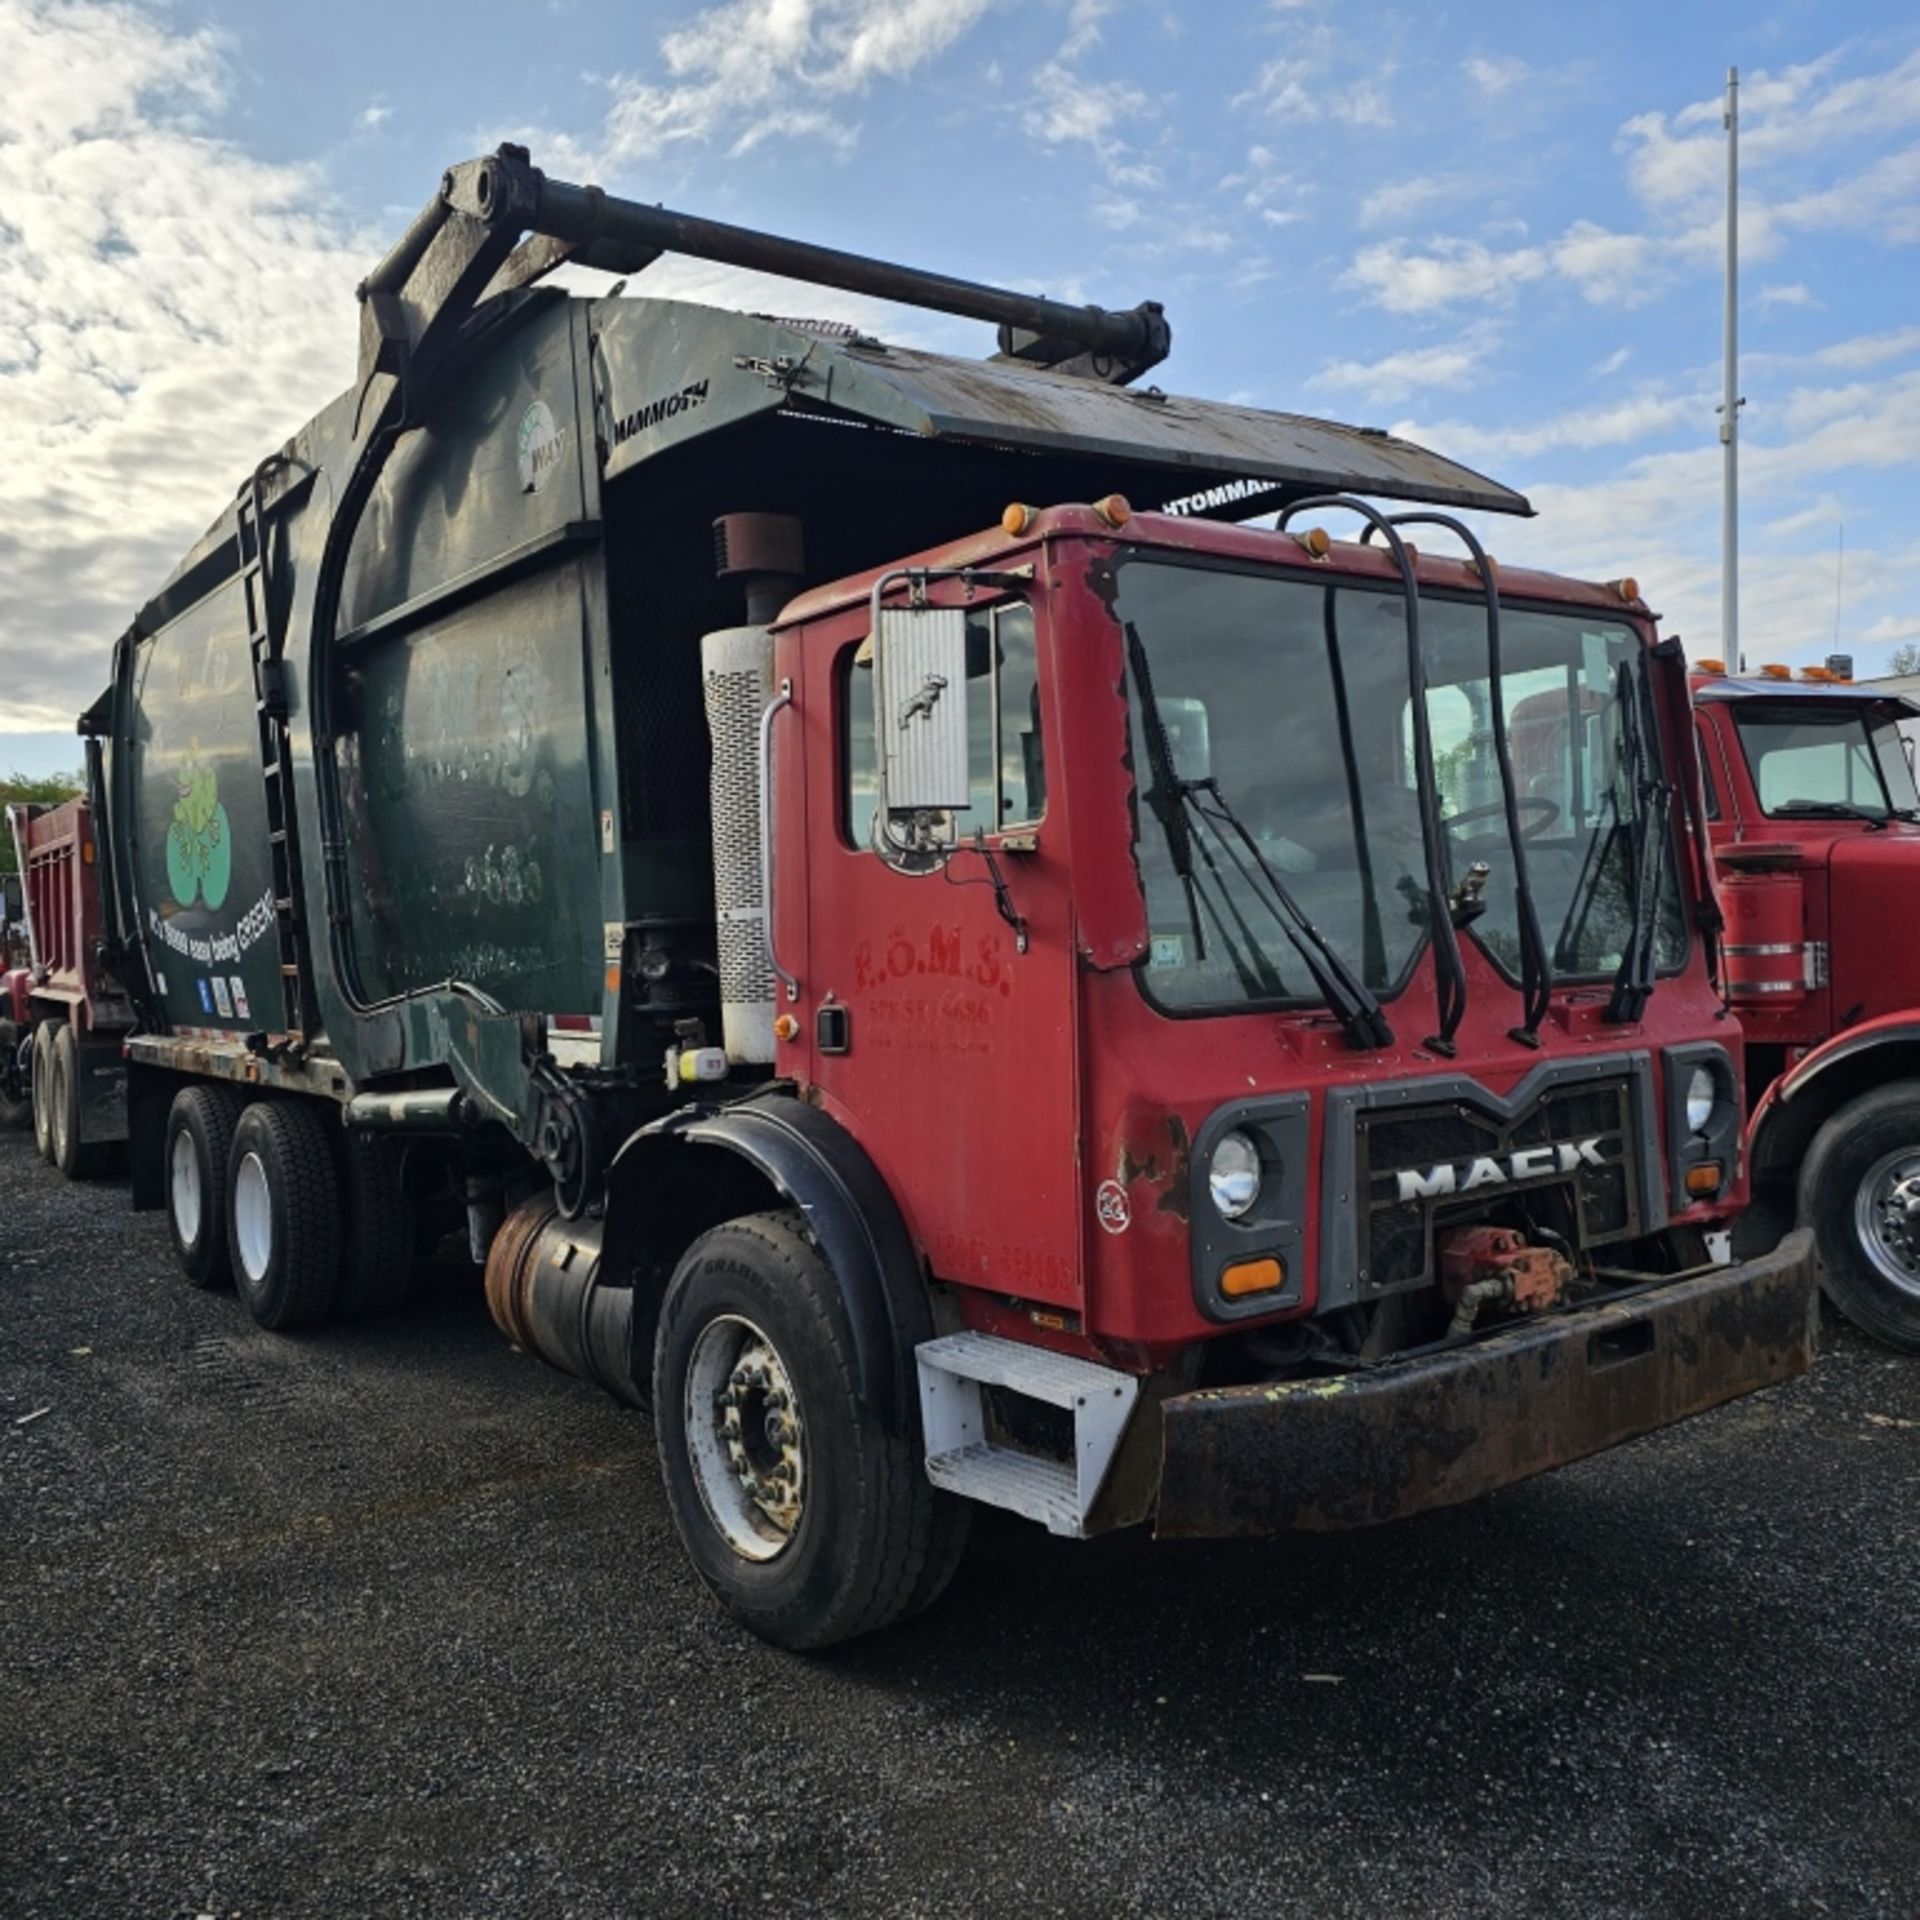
961	1455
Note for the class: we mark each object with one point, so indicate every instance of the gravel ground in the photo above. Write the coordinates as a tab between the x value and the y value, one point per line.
391	1621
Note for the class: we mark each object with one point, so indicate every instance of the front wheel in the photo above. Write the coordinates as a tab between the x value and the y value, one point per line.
810	1522
1860	1192
16	1086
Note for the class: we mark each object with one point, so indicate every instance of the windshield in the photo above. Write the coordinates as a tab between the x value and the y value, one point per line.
1292	696
1825	758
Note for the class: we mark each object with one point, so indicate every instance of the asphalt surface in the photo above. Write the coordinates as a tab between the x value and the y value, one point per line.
389	1620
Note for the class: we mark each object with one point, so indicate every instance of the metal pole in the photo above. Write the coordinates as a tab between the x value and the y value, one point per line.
1730	403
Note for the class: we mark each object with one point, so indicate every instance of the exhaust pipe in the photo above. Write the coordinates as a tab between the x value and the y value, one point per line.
546	1294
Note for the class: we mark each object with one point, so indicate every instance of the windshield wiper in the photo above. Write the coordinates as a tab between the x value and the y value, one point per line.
1840	810
1634	980
1176	804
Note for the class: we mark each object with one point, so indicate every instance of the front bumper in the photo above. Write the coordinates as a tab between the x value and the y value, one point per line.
1361	1448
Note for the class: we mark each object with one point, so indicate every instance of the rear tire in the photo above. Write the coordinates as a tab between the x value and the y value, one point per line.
1860	1192
76	1157
199	1142
283	1215
808	1520
13	1112
376	1267
41	1092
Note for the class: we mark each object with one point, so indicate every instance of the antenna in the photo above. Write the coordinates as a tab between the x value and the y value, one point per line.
1731	403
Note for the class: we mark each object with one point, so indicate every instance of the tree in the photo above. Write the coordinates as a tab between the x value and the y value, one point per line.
1905	658
48	791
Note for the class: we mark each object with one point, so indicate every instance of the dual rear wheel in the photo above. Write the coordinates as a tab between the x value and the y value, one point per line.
273	1198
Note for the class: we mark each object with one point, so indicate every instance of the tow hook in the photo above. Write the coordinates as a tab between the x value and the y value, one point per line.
1495	1266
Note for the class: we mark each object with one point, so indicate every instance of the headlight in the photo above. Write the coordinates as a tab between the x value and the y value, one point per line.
1233	1175
1702	1096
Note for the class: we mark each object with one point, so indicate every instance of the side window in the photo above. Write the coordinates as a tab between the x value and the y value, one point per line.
1706	771
1008	772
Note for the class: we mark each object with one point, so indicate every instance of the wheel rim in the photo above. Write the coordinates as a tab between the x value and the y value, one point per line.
1886	1217
183	1188
746	1440
253	1217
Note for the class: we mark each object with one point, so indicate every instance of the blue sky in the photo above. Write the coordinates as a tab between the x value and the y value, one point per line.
1495	229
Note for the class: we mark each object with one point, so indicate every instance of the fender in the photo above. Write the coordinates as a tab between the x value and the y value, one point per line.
818	1166
1791	1111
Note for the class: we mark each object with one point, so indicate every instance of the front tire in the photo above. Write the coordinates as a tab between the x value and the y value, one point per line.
14	1112
283	1215
1860	1192
808	1520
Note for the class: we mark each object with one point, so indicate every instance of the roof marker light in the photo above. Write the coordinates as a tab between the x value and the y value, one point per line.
1716	667
1114	510
1316	542
1627	589
1773	670
1016	519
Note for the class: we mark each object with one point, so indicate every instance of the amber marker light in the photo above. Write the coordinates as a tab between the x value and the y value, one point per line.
1710	666
1316	542
1704	1180
1627	589
1252	1276
786	1027
1774	671
1016	519
1114	510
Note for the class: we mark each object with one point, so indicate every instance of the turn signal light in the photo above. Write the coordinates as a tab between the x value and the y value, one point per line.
1114	509
1705	1179
1017	519
1252	1276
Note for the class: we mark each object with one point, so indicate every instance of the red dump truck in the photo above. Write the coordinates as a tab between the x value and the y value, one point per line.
1815	824
65	1011
925	955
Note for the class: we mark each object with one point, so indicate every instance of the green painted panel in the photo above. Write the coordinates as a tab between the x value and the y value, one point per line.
472	836
202	870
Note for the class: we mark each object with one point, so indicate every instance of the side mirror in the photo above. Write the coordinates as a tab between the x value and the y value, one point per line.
920	720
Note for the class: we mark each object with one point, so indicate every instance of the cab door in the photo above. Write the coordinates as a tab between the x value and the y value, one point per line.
938	1005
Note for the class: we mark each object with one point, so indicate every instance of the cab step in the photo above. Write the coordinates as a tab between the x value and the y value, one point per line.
962	1456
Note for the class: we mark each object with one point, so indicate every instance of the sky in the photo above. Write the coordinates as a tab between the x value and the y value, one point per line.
1496	230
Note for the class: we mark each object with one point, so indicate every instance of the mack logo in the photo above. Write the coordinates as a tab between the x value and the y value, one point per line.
1530	1163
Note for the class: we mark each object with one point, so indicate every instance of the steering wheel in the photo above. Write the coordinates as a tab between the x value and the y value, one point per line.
1546	812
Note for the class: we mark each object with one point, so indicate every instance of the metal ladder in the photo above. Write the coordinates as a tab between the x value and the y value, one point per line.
264	644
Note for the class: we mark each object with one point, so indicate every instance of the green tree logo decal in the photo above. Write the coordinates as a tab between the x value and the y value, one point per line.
199	842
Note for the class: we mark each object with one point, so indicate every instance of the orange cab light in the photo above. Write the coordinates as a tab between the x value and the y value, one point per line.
1252	1276
1316	542
1705	1179
1774	671
1710	666
1627	589
1815	673
1114	510
1017	519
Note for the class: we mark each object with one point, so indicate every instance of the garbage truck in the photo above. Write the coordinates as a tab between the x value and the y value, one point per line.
1815	824
918	947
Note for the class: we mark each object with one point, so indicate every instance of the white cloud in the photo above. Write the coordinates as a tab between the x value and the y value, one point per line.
1069	107
751	70
1453	365
170	309
1394	201
1583	429
1612	364
1495	77
1320	79
1793	294
375	114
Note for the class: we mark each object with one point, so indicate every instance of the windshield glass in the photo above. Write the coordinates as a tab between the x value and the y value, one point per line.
1293	697
1816	758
